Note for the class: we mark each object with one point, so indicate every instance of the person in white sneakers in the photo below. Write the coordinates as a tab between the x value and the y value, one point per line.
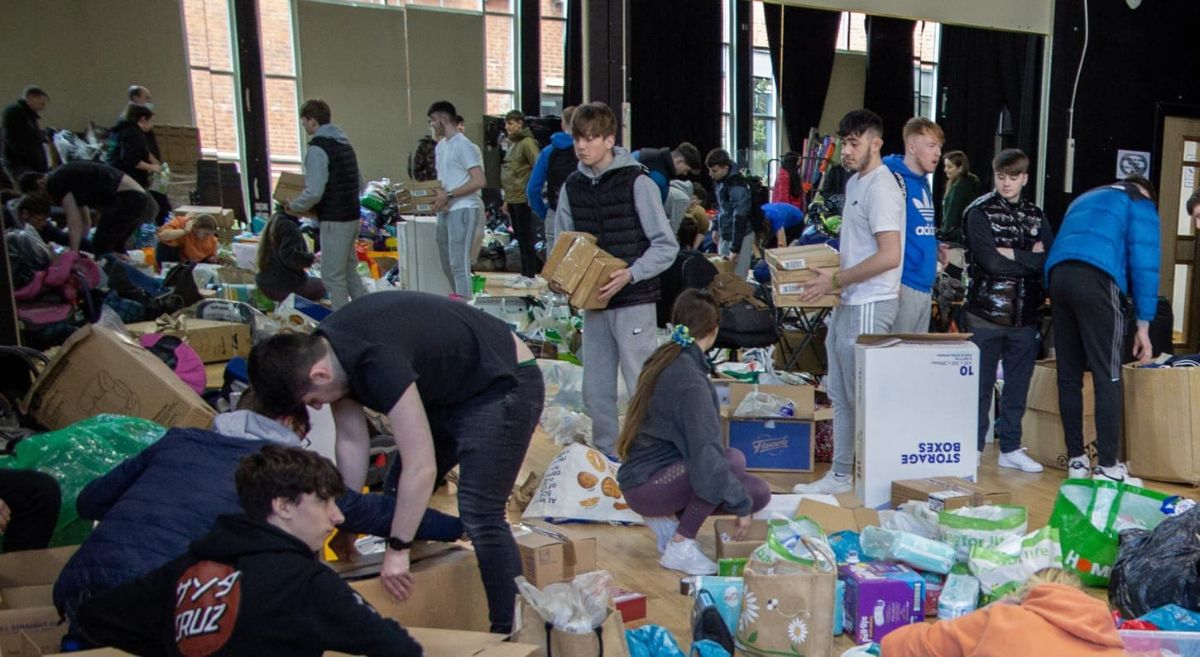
872	243
676	471
1007	238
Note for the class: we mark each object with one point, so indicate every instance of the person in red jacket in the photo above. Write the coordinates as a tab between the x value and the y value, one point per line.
788	185
1049	617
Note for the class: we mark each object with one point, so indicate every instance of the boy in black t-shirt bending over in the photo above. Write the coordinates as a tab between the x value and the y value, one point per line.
459	388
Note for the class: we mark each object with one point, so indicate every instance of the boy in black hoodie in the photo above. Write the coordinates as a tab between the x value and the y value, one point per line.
253	586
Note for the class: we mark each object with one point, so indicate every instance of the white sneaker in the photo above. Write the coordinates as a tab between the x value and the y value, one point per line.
1079	468
685	556
1019	460
1118	473
831	484
664	529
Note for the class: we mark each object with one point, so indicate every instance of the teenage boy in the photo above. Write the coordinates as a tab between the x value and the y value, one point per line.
253	585
611	197
82	186
872	245
1107	247
922	152
459	387
554	164
519	161
459	207
1007	238
733	210
664	164
331	186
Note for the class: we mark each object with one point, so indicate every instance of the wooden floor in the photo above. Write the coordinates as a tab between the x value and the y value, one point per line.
629	553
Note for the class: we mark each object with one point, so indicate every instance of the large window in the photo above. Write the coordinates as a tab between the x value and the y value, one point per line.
214	85
499	54
279	71
852	34
554	43
926	43
726	78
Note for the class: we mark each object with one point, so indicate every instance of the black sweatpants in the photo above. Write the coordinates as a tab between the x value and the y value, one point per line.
1089	331
34	500
117	224
522	221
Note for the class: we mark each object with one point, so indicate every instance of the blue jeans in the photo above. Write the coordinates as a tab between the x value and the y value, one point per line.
487	437
1018	349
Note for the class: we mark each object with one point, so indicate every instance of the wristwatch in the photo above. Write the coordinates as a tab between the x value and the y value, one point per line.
398	544
450	196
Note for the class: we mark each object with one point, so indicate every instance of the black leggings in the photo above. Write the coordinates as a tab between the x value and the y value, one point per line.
118	223
34	499
522	220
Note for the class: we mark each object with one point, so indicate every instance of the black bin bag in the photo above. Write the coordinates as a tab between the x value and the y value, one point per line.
1158	567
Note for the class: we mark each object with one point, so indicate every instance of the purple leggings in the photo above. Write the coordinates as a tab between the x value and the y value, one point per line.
669	493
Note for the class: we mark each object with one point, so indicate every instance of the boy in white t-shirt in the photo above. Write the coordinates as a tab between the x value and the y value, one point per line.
872	245
458	205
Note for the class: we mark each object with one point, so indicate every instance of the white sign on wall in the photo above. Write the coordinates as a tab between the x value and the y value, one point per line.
1131	163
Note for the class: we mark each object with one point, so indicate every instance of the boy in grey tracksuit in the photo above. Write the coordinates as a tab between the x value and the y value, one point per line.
611	197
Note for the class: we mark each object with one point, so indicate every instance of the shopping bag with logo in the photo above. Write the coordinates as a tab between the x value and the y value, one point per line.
574	619
1089	516
1004	568
790	614
983	526
581	484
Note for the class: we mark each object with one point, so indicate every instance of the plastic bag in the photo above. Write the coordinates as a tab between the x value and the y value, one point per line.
916	551
577	606
960	596
567	427
1089	515
652	641
1002	569
764	404
77	455
1173	618
793	546
985	526
914	517
581	484
1159	567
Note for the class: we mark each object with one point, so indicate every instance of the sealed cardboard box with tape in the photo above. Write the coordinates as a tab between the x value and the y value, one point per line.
447	593
947	493
26	601
1041	427
553	553
579	268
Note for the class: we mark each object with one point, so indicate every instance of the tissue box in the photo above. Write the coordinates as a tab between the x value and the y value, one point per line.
881	597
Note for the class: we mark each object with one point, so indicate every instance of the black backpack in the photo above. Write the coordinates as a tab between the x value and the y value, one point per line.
760	195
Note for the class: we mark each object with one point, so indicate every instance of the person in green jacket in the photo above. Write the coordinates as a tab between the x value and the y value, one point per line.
962	188
522	155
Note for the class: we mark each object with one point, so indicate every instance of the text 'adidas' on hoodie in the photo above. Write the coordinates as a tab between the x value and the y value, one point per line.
920	244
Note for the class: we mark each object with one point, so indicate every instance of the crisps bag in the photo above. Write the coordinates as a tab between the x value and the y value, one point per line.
1089	516
581	484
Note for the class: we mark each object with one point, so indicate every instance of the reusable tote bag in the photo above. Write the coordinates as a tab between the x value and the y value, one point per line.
1089	516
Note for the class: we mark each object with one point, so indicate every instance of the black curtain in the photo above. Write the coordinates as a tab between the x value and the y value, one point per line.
889	86
986	75
805	51
675	82
530	24
743	87
573	85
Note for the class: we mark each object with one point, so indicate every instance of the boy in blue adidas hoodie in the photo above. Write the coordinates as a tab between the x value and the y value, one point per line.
922	152
556	162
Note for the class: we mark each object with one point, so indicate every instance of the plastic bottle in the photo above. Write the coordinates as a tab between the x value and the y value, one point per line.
960	596
916	551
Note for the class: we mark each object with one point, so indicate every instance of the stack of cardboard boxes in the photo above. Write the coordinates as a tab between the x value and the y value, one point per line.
179	146
771	444
579	268
287	188
419	200
792	267
227	224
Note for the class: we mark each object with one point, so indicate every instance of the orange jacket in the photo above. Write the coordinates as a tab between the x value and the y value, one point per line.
191	247
1054	621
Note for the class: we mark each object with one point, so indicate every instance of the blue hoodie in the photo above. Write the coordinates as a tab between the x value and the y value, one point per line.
537	178
920	244
1114	229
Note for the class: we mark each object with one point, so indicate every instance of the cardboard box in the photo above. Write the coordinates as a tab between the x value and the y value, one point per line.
723	265
773	444
553	553
849	515
802	397
728	548
947	493
1162	422
288	187
1041	428
881	597
562	245
98	370
791	258
448	594
225	217
580	268
794	300
214	342
26	585
916	412
179	146
784	278
36	643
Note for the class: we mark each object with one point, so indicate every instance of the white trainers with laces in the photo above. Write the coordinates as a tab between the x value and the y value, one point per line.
664	529
831	484
1019	460
1079	468
1118	473
686	557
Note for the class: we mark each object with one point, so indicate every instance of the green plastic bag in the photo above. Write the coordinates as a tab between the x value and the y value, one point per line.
1089	516
982	526
79	454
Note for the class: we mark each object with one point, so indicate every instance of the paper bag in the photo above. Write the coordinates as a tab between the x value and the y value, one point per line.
608	640
787	614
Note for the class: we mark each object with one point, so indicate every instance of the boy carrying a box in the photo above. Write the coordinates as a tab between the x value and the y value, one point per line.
611	197
872	241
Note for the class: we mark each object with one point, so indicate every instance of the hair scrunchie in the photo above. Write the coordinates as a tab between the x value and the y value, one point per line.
682	336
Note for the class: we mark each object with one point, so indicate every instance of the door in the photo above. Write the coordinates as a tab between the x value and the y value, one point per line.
1180	277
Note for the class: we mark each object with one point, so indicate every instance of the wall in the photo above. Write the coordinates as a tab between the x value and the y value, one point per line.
846	85
1017	15
354	58
84	55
